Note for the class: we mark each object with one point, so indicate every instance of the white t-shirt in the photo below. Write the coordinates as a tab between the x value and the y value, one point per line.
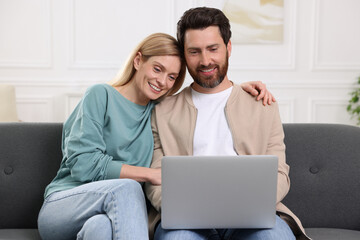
212	134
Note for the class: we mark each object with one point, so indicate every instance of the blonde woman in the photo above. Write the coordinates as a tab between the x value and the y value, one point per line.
107	147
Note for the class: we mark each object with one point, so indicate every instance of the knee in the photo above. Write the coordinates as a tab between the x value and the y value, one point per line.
96	227
131	184
132	187
281	231
122	186
198	234
126	189
97	222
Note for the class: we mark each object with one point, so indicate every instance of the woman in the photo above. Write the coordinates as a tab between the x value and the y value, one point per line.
107	147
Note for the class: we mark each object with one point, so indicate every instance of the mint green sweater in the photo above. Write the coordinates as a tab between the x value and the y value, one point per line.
103	132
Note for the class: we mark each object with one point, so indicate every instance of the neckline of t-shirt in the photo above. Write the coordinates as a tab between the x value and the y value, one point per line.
212	95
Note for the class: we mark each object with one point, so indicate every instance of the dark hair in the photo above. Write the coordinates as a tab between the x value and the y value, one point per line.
200	18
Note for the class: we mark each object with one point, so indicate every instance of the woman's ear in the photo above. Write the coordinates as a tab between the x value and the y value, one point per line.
137	60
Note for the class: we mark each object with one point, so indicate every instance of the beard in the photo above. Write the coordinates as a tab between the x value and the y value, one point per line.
211	81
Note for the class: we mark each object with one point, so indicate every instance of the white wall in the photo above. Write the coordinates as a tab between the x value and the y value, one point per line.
52	50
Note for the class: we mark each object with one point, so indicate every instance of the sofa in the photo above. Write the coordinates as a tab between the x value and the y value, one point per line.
324	164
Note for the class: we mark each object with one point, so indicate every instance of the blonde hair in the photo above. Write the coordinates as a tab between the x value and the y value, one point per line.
157	44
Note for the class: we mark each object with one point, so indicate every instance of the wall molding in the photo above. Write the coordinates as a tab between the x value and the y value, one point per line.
49	83
76	64
315	103
47	62
313	84
315	64
31	100
69	100
288	103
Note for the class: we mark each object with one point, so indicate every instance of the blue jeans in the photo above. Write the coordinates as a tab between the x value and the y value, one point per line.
109	209
281	231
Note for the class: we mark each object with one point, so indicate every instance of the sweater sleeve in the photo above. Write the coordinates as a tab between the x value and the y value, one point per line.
84	145
276	147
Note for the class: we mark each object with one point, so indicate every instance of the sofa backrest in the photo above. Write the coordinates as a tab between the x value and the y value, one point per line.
324	164
30	155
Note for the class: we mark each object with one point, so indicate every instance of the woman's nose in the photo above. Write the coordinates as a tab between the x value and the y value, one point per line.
162	80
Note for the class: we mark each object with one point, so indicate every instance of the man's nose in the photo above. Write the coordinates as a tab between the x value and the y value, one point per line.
205	59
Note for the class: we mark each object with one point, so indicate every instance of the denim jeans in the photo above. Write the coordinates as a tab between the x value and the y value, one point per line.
109	209
281	231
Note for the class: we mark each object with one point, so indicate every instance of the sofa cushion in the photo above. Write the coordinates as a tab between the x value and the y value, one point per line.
24	234
324	162
332	234
30	155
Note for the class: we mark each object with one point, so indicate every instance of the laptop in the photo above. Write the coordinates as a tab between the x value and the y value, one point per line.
201	192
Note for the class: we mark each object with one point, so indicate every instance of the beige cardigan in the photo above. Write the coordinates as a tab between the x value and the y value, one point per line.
256	130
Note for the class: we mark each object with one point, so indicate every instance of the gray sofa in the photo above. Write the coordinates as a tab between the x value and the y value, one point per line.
324	161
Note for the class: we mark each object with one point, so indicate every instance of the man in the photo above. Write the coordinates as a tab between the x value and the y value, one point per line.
216	117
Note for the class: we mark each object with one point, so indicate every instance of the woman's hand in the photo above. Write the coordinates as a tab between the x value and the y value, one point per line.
141	174
257	88
155	176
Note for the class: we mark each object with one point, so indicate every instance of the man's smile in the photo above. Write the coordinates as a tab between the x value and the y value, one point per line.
208	71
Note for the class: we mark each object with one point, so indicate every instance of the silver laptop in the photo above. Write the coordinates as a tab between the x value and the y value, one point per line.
218	191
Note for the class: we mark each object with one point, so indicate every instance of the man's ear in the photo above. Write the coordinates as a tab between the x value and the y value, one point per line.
137	60
229	48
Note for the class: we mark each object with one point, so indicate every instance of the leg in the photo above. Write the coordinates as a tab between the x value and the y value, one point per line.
193	234
281	231
95	228
64	213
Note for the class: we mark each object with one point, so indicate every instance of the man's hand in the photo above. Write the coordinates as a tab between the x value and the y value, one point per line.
257	88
